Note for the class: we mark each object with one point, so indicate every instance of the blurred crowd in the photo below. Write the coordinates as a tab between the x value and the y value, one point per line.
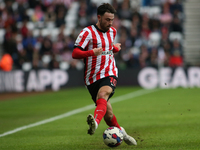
150	32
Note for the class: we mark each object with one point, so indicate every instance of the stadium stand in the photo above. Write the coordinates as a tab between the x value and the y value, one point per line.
41	34
192	33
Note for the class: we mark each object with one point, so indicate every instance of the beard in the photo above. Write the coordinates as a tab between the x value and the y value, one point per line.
104	27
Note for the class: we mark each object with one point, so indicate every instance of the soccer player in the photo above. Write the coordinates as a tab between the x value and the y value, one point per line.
95	45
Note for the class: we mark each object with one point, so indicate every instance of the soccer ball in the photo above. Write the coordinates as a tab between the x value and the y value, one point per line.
112	136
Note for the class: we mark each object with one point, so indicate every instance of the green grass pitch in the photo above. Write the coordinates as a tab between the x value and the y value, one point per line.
166	119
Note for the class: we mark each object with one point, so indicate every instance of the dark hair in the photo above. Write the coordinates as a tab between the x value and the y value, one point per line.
105	7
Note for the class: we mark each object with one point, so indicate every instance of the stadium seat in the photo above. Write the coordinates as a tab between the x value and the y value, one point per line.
50	25
36	32
30	12
2	33
151	11
27	66
64	65
46	59
126	23
175	36
45	32
154	39
30	25
54	33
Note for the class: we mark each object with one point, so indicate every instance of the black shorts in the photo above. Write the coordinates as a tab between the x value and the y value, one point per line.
94	87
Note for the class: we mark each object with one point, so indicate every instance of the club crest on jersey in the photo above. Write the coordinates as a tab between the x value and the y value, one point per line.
111	57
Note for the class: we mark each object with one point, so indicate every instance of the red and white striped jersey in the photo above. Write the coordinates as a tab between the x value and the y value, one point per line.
98	67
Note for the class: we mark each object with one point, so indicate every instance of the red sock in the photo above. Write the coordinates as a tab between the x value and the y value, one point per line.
100	110
113	122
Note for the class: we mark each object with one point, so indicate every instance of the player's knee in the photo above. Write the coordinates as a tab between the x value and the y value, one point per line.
103	94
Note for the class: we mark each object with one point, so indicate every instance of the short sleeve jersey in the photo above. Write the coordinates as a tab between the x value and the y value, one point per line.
97	67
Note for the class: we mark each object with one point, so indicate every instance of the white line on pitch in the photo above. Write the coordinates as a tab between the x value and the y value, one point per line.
76	111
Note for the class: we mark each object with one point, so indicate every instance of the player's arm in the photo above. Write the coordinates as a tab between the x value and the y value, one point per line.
116	47
78	53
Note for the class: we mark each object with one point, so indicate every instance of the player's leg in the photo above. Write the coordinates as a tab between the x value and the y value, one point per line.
101	108
110	118
102	96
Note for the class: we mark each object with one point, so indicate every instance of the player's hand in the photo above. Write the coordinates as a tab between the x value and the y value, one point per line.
98	51
118	45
